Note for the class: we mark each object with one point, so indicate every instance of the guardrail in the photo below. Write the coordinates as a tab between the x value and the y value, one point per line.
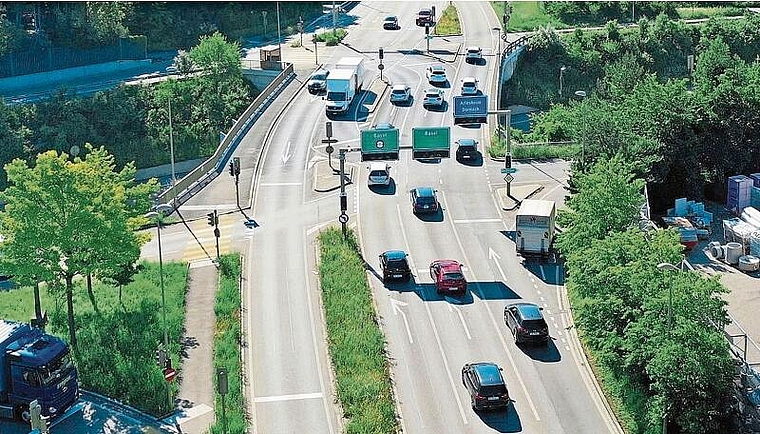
194	181
514	45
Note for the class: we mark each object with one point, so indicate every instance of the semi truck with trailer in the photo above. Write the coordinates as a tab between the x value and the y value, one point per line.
34	366
344	84
534	227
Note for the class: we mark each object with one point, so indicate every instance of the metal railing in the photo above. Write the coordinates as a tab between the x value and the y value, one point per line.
194	181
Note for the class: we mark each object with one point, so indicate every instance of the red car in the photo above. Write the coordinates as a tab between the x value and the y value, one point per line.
448	277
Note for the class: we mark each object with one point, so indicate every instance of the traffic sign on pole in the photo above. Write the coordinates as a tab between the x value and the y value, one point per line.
431	142
509	170
470	109
508	178
380	144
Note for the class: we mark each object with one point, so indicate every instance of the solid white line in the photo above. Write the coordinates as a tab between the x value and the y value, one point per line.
478	221
276	184
432	324
279	398
208	207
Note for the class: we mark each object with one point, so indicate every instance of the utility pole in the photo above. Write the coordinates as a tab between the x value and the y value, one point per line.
316	55
508	152
171	144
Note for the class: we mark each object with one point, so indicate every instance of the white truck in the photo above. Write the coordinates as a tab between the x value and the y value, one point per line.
344	83
534	226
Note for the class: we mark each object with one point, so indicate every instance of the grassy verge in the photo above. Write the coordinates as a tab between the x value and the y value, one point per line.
227	338
448	24
330	38
707	12
536	151
526	16
117	338
356	343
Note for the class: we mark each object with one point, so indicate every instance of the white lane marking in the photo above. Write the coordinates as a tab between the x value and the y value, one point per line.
279	398
278	184
397	305
422	271
493	320
432	324
219	207
478	221
286	154
495	256
461	318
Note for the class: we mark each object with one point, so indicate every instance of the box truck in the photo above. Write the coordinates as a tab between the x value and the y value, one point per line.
534	227
34	366
344	84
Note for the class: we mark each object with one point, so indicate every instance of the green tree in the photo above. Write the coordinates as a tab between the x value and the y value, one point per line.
67	218
217	55
608	199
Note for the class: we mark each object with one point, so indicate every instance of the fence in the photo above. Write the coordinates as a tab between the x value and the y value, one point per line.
42	59
194	181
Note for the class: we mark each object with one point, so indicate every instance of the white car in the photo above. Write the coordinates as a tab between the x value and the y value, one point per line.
474	54
433	98
400	93
436	74
379	174
470	86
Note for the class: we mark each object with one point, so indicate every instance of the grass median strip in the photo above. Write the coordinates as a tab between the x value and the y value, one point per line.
227	336
448	24
355	341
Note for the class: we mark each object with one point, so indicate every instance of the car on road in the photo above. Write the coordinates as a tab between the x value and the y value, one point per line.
433	98
383	126
172	69
470	86
436	74
394	265
390	23
379	174
318	81
474	54
448	277
425	16
467	149
400	93
526	322
424	200
486	385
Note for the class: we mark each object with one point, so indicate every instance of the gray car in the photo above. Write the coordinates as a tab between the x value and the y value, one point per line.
318	81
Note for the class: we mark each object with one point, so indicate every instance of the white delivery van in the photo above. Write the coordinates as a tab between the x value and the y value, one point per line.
355	64
341	89
534	227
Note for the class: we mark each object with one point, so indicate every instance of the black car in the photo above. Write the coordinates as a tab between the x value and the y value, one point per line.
390	23
424	200
394	265
526	322
485	385
467	149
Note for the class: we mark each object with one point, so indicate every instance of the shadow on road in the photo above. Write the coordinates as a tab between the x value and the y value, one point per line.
476	161
502	420
435	217
548	271
427	292
492	291
385	190
542	352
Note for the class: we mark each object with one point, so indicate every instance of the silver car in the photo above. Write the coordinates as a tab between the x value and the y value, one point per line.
474	54
470	86
433	98
436	74
400	93
379	174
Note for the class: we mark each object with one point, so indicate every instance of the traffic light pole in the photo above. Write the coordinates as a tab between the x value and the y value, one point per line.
508	151
216	233
343	197
329	149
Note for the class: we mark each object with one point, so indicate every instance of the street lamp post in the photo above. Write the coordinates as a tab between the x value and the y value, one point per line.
171	143
316	55
160	212
279	46
561	71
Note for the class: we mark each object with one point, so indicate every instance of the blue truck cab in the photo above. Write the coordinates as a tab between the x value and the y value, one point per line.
34	365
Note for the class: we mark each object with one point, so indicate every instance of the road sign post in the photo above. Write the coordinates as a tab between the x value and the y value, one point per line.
470	109
221	385
431	142
329	149
343	200
379	144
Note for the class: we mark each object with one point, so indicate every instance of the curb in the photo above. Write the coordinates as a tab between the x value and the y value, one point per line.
372	107
329	189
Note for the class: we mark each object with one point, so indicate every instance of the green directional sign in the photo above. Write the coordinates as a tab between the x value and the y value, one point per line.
431	142
379	144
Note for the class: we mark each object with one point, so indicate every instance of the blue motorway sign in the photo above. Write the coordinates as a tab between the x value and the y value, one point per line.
470	109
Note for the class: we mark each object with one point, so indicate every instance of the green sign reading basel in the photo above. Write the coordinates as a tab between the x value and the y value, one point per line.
379	144
431	142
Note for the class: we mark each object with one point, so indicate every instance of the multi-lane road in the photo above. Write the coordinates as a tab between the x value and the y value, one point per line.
429	336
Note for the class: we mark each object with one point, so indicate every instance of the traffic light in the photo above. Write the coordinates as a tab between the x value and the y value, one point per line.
232	169
343	202
509	161
236	165
427	29
211	219
380	53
